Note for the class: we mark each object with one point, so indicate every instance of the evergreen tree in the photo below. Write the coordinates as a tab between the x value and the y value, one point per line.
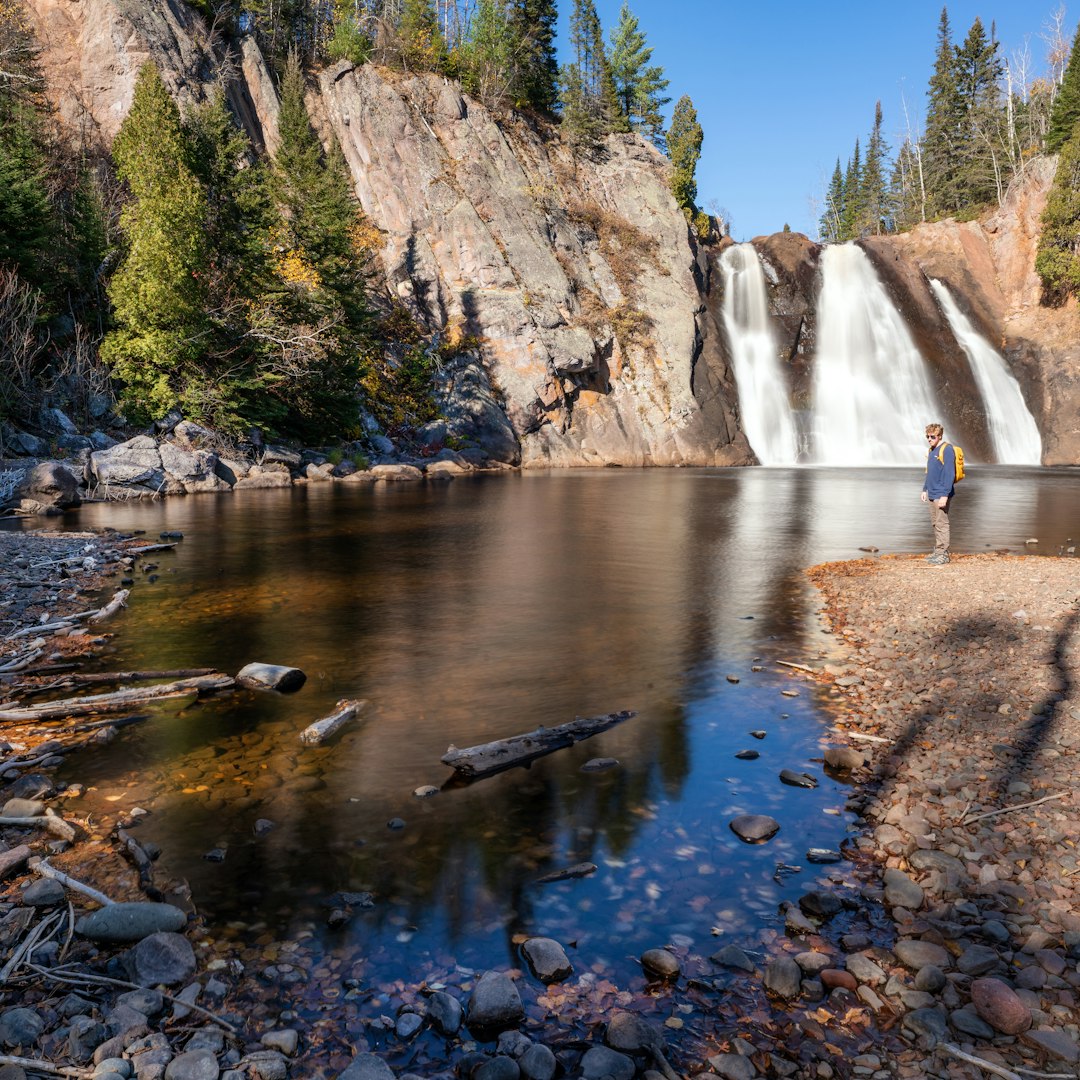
1058	258
830	223
904	200
981	139
872	191
490	54
1066	111
159	292
421	40
533	25
684	139
638	85
593	67
943	123
853	189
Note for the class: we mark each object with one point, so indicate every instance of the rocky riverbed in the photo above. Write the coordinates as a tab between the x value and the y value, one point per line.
948	927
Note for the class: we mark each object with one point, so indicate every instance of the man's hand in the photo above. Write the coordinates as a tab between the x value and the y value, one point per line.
923	496
942	502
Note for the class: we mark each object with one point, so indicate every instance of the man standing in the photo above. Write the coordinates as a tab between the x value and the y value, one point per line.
938	490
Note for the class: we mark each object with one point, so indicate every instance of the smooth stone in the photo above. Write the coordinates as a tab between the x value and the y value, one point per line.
968	1022
632	1033
499	1067
127	922
929	1023
661	964
547	959
930	979
754	828
116	1065
831	978
820	904
843	758
602	1062
44	893
23	808
916	954
85	1035
901	891
264	1065
813	963
407	1025
733	957
599	764
538	1063
146	1001
495	1003
426	791
284	1040
20	1027
997	1003
367	1067
996	932
798	779
271	677
748	755
783	977
732	1067
445	1012
193	1065
865	970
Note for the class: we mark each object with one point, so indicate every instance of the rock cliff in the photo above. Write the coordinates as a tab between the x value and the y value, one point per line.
595	315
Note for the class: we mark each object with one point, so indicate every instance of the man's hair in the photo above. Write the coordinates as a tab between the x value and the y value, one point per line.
934	429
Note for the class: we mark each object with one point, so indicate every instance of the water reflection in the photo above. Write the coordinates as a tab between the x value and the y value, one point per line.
482	608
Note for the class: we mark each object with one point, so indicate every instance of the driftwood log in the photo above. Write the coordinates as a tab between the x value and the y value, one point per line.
118	601
119	699
493	757
328	726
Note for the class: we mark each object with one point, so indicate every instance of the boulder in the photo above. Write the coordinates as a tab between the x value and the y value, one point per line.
603	1063
1000	1006
754	828
547	959
445	1013
783	977
843	758
194	470
494	1004
660	964
135	463
281	455
263	476
51	484
164	958
392	473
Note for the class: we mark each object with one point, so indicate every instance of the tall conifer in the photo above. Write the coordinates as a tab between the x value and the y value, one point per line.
1067	103
943	123
638	85
684	139
873	180
533	23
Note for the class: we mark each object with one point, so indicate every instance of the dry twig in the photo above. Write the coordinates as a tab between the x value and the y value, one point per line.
1010	809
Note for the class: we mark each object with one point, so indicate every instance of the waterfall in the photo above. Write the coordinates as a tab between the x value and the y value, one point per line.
763	396
872	396
1013	432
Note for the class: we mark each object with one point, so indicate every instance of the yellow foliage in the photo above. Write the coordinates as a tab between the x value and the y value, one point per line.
365	237
292	263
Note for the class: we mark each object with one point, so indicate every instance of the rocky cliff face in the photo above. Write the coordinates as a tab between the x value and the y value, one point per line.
596	315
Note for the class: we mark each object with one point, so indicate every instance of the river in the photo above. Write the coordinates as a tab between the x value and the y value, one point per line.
473	610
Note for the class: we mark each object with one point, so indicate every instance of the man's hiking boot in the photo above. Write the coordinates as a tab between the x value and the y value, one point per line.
939	558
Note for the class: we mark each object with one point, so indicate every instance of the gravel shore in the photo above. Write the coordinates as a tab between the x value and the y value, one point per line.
962	684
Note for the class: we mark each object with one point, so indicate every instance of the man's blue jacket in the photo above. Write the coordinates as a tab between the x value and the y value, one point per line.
940	474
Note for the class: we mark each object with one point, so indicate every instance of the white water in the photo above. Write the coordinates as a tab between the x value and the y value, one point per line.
872	395
763	396
1012	428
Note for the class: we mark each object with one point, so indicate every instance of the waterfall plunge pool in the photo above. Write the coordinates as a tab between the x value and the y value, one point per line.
479	609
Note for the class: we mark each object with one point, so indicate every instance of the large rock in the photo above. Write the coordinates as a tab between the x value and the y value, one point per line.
494	1004
271	677
132	921
161	958
547	959
1000	1006
51	484
754	828
135	464
367	1067
193	470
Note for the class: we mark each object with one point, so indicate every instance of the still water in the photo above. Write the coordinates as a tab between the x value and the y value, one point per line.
478	609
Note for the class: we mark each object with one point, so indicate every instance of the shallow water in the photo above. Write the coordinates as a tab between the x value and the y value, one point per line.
482	608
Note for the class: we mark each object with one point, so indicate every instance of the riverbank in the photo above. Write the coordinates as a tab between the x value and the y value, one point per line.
870	981
962	684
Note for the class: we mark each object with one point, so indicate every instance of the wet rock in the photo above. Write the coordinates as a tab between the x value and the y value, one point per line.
161	958
499	1067
258	477
748	755
263	1065
13	859
495	1003
929	1024
865	970
732	1067
284	1040
396	473
128	922
600	764
901	891
445	1013
547	959
603	1063
732	956
631	1033
813	963
831	978
820	904
52	485
823	855
407	1025
798	779
538	1063
425	792
758	733
20	1027
32	786
271	677
783	977
263	826
367	1067
930	979
661	964
754	828
916	954
997	1003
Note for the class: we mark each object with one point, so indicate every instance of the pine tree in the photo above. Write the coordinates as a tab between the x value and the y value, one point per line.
159	292
533	25
981	141
593	66
684	139
638	86
422	44
872	192
1057	261
853	192
830	223
903	205
943	124
1066	111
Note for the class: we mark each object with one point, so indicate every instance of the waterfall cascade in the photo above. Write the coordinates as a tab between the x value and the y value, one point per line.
871	392
763	395
1012	428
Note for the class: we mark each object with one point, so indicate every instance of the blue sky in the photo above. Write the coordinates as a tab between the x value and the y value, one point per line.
784	88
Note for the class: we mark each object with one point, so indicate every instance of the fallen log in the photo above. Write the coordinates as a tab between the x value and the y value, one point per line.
42	867
328	726
119	699
77	682
488	758
51	822
118	601
578	870
145	549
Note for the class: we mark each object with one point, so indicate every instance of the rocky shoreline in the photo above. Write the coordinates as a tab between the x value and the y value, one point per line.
952	931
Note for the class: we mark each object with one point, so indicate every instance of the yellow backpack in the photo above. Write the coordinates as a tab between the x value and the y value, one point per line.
958	455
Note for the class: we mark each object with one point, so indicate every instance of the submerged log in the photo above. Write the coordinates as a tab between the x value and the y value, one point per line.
323	729
119	699
118	601
488	758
